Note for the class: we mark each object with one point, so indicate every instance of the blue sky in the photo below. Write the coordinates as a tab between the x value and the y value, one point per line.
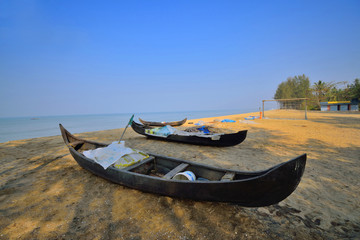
85	57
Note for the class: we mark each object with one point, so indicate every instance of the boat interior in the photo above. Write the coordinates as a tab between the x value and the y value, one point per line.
167	168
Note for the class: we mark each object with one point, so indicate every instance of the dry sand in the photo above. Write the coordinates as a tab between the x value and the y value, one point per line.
44	194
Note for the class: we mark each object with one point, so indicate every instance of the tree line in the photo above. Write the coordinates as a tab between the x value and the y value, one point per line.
320	91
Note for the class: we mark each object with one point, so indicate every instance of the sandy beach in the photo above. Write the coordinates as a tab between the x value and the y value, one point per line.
45	194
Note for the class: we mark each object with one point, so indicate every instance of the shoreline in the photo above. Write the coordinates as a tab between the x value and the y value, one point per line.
50	196
48	125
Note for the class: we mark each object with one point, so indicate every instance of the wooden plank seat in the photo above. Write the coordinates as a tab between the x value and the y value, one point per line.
176	170
228	176
146	160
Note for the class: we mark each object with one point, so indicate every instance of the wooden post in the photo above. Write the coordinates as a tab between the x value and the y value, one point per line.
263	110
306	109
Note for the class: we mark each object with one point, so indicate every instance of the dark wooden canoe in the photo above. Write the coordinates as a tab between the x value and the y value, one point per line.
161	124
249	189
225	140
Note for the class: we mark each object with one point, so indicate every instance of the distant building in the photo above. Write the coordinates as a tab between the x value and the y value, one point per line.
352	105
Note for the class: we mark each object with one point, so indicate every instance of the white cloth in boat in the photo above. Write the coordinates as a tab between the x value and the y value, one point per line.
115	153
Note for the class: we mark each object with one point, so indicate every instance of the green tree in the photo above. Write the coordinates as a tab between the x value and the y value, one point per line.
354	89
320	91
293	87
327	91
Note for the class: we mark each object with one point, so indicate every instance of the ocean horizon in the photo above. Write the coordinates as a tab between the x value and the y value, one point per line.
17	128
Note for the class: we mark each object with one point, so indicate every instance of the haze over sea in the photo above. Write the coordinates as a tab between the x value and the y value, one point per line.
32	127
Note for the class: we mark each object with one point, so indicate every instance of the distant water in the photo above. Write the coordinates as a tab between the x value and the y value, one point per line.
33	127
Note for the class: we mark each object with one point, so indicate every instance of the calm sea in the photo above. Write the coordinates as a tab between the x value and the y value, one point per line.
33	127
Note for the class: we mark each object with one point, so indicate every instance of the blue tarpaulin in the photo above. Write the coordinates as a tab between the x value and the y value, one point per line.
204	129
228	120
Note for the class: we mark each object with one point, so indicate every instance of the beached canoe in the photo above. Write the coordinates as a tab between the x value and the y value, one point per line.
218	140
161	124
155	175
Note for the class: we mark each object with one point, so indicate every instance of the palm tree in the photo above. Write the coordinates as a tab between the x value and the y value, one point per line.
323	91
319	89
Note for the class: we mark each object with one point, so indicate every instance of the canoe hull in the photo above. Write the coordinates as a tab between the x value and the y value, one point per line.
162	124
250	193
225	140
249	189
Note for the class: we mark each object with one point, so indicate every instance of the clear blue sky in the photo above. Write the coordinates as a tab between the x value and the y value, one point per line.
84	57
